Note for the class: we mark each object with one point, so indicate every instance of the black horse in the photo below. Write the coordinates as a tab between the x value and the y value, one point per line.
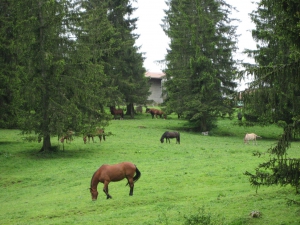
167	135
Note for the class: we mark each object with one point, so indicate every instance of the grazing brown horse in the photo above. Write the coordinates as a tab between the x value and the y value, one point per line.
98	132
167	135
107	173
116	112
155	112
68	137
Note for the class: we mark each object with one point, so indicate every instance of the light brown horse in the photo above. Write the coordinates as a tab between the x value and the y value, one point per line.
107	173
116	112
98	133
68	137
155	112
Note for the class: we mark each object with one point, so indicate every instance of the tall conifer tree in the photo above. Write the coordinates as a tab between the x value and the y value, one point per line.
60	46
125	66
200	69
277	45
9	81
274	94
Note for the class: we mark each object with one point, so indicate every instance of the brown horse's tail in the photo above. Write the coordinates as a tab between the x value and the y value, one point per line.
137	175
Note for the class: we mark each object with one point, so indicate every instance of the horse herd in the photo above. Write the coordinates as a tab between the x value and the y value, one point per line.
117	172
154	112
99	132
68	136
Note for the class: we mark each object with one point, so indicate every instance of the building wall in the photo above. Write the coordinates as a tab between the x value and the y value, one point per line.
156	90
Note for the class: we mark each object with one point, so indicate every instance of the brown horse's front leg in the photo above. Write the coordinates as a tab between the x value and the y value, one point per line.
105	190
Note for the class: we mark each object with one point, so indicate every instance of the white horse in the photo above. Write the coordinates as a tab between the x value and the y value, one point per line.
251	137
205	133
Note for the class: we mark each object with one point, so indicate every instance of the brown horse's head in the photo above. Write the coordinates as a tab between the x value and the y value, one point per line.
84	139
62	139
94	194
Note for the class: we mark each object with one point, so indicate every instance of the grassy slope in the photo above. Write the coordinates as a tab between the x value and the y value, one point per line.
177	180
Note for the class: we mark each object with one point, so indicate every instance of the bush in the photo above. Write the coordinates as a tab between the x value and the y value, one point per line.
201	217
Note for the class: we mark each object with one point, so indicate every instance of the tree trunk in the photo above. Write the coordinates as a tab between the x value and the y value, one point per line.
46	93
46	143
203	125
46	121
130	110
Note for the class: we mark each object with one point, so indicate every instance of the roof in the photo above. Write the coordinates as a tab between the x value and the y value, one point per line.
155	75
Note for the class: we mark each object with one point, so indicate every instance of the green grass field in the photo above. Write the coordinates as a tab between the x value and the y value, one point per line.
200	181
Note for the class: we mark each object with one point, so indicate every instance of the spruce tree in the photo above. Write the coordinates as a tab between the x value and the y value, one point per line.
273	96
200	69
60	48
276	47
125	66
9	81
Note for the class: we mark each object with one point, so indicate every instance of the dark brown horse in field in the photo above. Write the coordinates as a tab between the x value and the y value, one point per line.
155	112
107	173
116	112
167	135
98	133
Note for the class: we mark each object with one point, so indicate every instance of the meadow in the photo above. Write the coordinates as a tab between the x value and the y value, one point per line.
200	181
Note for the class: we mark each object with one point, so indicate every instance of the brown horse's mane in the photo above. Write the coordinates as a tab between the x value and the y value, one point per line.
93	178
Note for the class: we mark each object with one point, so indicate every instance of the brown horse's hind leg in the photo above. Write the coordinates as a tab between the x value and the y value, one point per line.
131	185
105	190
